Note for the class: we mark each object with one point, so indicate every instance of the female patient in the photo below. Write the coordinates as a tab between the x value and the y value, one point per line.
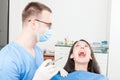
81	64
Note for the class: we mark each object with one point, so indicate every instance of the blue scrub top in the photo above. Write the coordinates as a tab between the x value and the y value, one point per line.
80	75
16	63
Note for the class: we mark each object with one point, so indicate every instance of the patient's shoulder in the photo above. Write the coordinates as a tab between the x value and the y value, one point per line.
92	76
80	75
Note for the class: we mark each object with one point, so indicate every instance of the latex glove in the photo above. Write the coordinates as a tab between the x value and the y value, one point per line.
63	72
46	71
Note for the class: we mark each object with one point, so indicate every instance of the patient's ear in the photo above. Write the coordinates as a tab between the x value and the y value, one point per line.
90	58
71	56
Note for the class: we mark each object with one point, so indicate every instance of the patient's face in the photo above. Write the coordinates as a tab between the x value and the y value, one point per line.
81	52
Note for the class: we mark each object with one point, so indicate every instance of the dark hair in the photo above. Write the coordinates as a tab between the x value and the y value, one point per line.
92	65
33	9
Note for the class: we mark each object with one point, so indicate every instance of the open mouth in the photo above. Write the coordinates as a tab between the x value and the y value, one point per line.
81	54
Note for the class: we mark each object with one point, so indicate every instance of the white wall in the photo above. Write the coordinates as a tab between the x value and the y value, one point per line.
81	19
3	21
87	19
114	55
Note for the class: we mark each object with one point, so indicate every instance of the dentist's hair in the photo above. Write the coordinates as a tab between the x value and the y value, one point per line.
34	9
92	64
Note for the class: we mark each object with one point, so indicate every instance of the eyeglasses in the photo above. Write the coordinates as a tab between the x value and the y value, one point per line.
48	24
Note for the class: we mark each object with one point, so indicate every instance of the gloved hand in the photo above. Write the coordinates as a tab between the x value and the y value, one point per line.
46	71
63	72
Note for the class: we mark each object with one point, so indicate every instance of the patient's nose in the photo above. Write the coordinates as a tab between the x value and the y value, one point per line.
82	47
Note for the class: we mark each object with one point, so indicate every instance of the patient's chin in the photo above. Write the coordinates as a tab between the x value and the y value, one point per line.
81	61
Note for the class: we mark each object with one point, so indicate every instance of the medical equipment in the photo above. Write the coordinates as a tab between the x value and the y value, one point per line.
53	62
57	59
62	71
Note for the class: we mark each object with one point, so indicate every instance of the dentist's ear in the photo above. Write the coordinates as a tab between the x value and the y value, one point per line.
32	24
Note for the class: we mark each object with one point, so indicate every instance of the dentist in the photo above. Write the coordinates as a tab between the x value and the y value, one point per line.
22	59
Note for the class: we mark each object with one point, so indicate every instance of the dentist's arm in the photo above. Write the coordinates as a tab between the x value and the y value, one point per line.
45	71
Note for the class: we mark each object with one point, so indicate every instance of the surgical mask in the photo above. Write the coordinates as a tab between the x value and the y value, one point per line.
44	37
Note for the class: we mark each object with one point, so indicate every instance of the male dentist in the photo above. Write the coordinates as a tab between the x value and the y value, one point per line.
22	59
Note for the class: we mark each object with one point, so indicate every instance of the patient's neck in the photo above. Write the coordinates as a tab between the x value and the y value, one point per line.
81	66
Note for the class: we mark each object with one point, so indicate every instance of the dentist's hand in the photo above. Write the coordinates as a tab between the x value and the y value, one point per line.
46	71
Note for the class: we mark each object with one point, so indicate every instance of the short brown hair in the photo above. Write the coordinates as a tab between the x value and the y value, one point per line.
33	9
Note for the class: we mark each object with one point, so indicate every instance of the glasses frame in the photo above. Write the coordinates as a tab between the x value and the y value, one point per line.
48	24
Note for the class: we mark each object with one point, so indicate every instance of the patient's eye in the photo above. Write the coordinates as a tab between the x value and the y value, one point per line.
76	45
86	45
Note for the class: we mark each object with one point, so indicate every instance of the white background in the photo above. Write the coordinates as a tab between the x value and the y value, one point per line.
114	55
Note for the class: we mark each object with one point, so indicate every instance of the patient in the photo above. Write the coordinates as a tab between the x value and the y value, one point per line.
81	64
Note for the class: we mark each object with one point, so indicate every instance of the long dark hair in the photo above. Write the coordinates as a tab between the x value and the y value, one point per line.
92	65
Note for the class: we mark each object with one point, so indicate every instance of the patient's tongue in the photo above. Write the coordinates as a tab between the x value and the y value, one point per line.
81	54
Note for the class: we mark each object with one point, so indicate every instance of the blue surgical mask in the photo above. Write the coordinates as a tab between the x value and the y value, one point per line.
44	37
